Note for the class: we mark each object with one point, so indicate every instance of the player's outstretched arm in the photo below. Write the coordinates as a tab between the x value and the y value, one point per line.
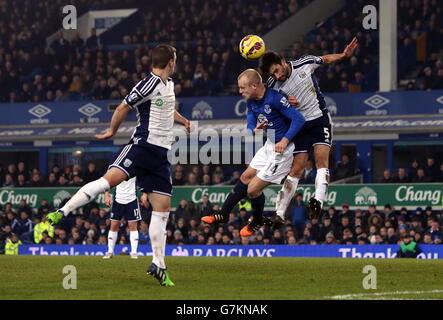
347	53
182	120
117	118
107	198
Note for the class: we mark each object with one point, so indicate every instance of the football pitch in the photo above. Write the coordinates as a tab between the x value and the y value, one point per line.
227	278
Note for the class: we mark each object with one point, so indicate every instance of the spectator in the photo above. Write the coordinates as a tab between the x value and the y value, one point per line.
421	178
192	180
21	182
387	177
236	178
325	228
434	230
43	227
414	169
431	170
22	170
178	179
23	206
205	207
93	41
102	92
344	168
9	182
401	176
309	173
36	181
408	248
330	238
297	213
24	225
62	181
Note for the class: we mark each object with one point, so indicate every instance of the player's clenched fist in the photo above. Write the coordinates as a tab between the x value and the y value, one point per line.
281	145
293	101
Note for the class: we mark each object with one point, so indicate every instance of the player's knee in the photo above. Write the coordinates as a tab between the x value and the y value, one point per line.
245	178
253	192
296	172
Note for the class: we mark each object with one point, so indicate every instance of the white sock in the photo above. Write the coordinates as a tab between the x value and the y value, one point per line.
85	195
285	195
133	235
321	184
112	239
157	233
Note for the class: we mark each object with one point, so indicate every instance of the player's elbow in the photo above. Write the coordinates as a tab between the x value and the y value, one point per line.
123	108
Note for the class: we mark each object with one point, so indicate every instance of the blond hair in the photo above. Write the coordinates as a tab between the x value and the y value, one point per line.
252	75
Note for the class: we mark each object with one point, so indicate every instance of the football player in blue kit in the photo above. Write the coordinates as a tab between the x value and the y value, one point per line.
268	110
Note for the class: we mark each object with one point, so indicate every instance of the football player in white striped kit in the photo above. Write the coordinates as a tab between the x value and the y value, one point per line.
125	205
296	80
146	154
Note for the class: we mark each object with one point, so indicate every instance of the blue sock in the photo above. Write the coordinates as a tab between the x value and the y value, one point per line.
239	192
258	205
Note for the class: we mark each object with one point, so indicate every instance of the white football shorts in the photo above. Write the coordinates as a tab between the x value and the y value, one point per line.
272	166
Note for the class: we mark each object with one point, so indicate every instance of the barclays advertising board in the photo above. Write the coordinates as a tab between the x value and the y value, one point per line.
331	251
233	107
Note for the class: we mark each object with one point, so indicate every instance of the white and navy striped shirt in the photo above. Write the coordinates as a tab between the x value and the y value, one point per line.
154	101
304	86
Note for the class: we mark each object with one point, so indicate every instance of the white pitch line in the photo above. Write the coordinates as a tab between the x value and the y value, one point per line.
376	294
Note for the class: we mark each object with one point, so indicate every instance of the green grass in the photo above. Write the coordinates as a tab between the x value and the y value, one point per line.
211	278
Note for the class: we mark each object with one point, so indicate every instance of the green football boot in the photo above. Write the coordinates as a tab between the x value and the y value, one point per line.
54	217
161	275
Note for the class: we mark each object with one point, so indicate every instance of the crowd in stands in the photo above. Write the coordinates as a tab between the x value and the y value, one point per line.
20	176
91	224
417	173
415	17
206	35
208	59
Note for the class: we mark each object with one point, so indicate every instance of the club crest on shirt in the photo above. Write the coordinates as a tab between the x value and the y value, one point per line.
262	118
132	97
267	109
127	163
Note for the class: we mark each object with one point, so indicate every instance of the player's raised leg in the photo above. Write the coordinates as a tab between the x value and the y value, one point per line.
157	233
315	204
88	192
237	193
289	188
255	193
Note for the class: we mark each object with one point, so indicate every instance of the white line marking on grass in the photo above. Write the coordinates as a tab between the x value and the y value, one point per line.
377	294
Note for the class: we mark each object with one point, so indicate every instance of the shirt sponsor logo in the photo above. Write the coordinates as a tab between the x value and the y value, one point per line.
159	102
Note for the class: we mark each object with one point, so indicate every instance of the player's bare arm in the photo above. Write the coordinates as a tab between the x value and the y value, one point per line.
178	118
107	199
117	118
347	53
